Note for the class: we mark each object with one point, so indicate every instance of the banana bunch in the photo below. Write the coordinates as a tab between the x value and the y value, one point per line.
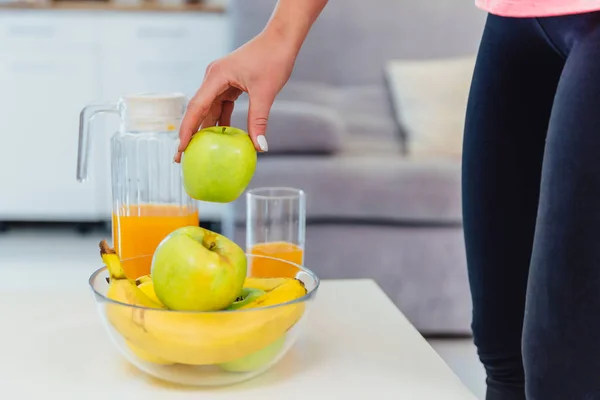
163	336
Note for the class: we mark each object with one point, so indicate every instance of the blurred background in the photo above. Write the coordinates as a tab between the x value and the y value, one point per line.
369	126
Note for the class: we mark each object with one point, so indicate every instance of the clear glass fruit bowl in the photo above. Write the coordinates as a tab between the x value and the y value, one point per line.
206	348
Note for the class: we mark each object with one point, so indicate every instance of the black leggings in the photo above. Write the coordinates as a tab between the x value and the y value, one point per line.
531	204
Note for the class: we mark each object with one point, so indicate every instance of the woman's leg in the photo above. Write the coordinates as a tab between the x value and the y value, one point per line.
561	343
507	119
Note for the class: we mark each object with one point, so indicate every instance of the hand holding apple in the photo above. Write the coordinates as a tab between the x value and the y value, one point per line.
218	164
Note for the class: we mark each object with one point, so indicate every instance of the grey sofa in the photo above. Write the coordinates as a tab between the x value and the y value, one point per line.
372	212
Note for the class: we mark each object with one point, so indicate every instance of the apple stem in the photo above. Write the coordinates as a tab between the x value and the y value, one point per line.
223	130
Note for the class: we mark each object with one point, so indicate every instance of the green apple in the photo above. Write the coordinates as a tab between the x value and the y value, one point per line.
196	269
218	164
256	360
247	296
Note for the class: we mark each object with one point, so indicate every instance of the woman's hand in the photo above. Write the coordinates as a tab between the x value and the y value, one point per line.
261	68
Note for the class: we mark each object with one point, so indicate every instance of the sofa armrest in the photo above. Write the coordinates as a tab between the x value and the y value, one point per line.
297	127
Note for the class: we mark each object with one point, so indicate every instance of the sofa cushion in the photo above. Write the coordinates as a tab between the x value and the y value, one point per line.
297	127
363	109
374	188
430	99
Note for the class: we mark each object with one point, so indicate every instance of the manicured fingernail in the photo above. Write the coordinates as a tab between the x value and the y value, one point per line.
262	142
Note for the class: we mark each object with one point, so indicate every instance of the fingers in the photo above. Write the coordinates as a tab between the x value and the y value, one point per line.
226	111
221	109
213	115
229	97
258	116
198	108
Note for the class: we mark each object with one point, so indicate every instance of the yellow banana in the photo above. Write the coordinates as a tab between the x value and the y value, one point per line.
291	289
143	279
125	290
218	337
122	288
146	356
147	286
148	289
197	338
265	284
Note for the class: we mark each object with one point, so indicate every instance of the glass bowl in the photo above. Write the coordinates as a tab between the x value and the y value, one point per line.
205	348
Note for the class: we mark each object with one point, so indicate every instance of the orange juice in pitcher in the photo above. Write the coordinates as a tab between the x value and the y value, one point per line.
148	197
138	232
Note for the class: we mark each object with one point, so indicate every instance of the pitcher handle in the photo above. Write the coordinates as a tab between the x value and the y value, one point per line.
86	116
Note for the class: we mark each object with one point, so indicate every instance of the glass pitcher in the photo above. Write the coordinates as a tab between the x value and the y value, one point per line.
148	197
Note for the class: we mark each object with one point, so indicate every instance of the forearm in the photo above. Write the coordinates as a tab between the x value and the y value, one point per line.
292	19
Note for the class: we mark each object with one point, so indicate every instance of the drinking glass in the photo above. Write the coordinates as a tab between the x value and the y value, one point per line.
275	227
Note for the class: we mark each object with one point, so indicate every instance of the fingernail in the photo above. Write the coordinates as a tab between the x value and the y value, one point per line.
262	142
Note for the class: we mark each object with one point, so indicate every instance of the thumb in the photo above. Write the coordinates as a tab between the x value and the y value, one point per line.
258	116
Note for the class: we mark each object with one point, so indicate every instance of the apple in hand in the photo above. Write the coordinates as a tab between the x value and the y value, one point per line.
218	164
196	269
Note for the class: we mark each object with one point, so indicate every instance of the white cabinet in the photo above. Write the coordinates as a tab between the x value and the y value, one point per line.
42	30
46	73
159	53
52	64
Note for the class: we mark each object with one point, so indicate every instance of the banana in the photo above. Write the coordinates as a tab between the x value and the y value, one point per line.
192	338
265	284
143	279
215	338
147	286
144	355
291	289
148	289
121	288
125	290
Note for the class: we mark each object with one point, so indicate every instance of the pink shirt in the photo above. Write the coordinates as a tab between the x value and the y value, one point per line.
537	8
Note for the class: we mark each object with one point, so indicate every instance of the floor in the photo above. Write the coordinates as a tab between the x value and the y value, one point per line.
461	356
29	249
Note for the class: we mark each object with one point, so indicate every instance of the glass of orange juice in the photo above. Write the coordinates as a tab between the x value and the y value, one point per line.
275	227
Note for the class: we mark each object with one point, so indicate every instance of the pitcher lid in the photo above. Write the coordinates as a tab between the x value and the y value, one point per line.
143	109
154	105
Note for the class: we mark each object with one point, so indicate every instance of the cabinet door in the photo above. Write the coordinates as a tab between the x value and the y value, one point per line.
166	53
41	30
41	94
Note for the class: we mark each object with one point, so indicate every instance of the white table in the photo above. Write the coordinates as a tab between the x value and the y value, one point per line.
52	344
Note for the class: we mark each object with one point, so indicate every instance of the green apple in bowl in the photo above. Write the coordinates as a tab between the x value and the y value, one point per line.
195	269
257	359
247	296
218	164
